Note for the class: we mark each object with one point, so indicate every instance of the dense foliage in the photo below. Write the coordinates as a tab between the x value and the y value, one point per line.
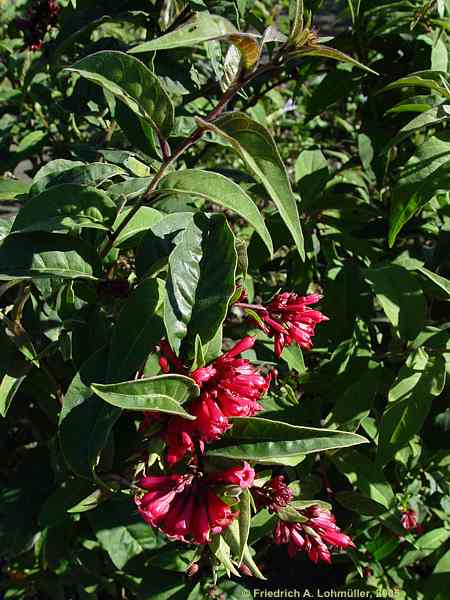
224	309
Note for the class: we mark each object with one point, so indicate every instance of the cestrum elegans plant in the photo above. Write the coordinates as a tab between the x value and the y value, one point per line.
162	388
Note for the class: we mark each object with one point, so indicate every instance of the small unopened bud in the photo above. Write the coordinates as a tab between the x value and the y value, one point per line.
192	570
244	570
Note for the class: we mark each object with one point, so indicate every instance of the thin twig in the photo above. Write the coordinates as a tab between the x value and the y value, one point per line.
187	143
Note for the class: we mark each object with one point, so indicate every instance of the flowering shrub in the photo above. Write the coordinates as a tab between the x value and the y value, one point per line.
224	299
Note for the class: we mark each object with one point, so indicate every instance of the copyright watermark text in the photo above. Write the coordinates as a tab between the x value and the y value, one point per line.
262	594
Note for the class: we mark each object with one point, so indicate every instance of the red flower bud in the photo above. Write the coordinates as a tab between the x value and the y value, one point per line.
192	570
273	495
409	519
244	570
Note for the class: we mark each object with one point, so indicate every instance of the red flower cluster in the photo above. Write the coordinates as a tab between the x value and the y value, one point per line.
187	507
40	17
230	387
289	318
312	536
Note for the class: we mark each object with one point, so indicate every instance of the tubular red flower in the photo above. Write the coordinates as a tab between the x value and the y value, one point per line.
186	507
409	519
210	423
242	346
230	387
242	476
288	318
314	536
155	504
179	437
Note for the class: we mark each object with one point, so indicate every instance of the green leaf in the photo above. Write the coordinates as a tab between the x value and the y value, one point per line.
199	356
410	402
86	420
311	174
173	558
158	243
221	550
65	207
404	208
138	131
11	188
60	503
236	535
257	148
200	281
425	545
46	255
429	163
360	504
133	339
291	515
244	521
129	80
220	190
328	52
247	560
302	504
122	532
443	564
141	222
364	474
293	355
400	296
272	442
434	116
297	23
441	282
437	584
9	386
30	141
203	27
431	80
162	393
130	189
51	170
355	402
262	525
6	224
73	172
409	375
157	584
